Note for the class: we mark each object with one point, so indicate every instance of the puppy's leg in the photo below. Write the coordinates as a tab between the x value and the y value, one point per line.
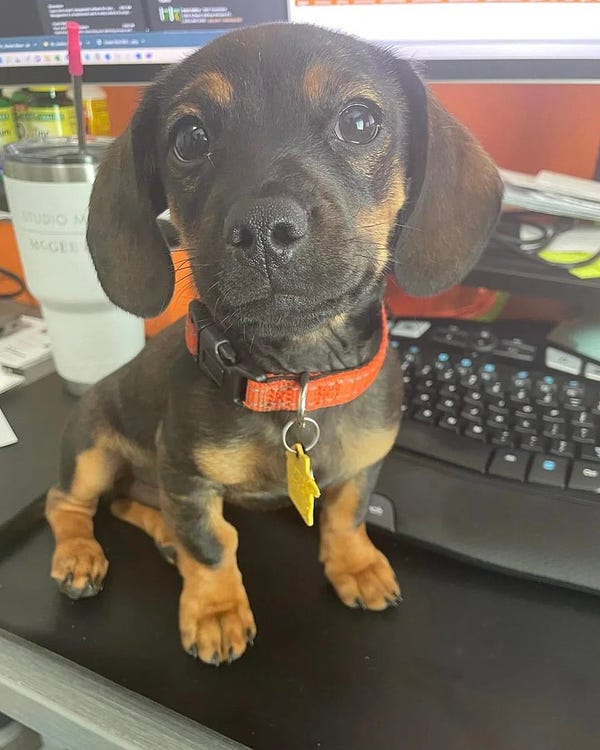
359	572
215	619
150	520
78	564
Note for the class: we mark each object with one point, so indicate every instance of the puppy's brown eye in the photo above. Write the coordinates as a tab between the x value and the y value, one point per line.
190	140
357	123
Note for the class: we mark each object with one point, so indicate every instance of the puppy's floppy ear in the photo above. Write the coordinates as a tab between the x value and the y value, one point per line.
454	196
131	258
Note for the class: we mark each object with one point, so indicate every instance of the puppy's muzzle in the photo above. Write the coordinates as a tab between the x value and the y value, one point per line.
268	230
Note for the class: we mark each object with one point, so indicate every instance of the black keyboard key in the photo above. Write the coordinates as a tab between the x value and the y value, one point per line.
444	446
465	366
447	376
499	407
452	335
555	431
424	414
522	396
448	422
520	381
442	362
510	464
497	420
515	349
484	341
473	398
547	400
585	476
574	405
427	385
470	381
447	405
590	452
412	358
502	438
574	389
546	385
487	372
495	389
553	414
422	399
526	426
448	389
473	414
584	435
548	470
562	448
532	443
525	410
475	431
583	419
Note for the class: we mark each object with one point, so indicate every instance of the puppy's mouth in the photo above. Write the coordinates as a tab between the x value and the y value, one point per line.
277	314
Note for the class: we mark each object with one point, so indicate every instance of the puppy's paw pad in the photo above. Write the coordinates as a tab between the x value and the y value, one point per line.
79	567
371	587
219	635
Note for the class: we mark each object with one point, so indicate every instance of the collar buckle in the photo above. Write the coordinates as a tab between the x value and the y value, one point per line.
216	356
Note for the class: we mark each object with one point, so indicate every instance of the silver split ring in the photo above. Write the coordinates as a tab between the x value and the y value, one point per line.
305	421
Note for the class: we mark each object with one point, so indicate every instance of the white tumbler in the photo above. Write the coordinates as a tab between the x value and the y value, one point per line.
48	185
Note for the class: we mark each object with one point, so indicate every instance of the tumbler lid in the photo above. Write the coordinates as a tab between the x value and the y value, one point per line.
54	159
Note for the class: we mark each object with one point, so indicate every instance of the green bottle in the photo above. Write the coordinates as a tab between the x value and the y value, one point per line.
8	126
20	101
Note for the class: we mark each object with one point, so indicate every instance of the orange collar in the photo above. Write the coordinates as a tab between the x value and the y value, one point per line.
264	392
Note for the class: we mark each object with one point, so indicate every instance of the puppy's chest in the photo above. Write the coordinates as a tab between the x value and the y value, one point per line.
258	466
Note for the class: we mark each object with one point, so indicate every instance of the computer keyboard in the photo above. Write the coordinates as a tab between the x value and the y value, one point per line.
497	433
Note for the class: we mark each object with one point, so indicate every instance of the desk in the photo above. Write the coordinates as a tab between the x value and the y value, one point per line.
472	660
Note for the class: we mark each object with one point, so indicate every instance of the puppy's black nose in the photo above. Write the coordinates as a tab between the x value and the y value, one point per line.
271	227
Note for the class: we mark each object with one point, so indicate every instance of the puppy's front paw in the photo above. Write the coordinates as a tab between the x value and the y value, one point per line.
79	567
212	631
361	574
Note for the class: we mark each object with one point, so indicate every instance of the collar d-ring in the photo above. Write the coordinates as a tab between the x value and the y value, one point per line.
304	381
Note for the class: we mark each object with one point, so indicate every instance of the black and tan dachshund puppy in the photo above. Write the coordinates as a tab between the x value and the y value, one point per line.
300	166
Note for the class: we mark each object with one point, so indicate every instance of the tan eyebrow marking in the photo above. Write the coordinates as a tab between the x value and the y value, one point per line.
317	80
322	82
216	86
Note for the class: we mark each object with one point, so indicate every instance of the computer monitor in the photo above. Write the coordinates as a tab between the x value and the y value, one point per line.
129	42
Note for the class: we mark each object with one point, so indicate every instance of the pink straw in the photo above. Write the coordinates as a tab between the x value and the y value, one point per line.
76	71
74	49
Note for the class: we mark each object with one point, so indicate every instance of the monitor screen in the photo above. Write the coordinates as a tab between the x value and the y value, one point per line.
476	39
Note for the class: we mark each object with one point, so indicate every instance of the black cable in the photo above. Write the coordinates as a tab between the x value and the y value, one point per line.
508	235
5	273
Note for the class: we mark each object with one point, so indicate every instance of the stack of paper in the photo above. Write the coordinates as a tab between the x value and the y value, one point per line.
551	193
25	354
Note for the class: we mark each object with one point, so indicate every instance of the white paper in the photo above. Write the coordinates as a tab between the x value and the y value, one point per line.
27	346
7	435
544	194
9	380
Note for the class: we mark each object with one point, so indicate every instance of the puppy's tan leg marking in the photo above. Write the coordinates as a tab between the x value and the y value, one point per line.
78	564
359	572
151	521
215	619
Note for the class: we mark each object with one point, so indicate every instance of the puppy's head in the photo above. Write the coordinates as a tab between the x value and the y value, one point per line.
299	165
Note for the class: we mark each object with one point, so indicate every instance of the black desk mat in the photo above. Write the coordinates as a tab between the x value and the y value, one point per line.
472	660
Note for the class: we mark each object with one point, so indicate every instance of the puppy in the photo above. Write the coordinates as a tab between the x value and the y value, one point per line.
299	167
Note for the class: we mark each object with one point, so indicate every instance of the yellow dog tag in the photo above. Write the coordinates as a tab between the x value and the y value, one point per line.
302	487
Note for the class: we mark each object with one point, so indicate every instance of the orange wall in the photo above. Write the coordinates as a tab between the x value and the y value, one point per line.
526	127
